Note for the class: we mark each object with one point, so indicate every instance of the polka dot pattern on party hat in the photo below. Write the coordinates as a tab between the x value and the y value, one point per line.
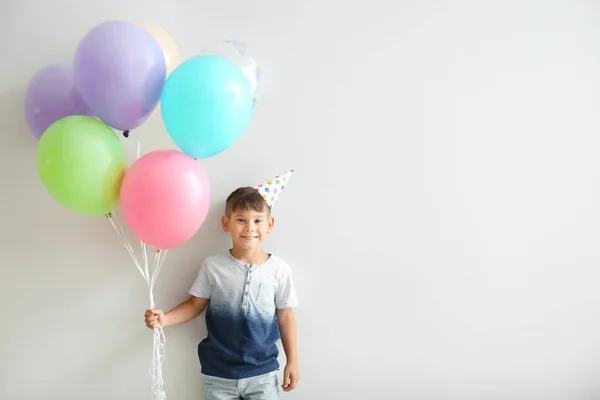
272	188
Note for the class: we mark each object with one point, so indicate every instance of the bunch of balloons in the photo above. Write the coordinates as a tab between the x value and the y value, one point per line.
121	74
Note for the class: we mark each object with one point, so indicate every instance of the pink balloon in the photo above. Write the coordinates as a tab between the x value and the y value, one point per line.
165	198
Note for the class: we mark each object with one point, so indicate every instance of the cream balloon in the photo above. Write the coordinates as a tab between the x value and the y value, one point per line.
168	46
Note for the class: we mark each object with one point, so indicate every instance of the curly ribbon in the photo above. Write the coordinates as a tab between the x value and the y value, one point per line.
150	274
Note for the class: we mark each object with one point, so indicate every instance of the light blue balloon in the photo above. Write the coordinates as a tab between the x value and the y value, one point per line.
206	105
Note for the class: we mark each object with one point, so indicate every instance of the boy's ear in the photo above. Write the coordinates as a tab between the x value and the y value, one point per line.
225	223
270	225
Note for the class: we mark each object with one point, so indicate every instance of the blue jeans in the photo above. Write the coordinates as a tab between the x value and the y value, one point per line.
261	387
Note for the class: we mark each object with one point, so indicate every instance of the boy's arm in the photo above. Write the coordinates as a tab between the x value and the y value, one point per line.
186	311
287	327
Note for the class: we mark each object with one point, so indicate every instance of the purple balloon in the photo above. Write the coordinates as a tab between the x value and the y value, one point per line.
50	96
120	70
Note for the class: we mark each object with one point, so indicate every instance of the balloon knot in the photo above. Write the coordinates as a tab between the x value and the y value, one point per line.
126	134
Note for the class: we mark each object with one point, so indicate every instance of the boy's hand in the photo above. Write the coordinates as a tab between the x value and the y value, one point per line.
154	319
290	377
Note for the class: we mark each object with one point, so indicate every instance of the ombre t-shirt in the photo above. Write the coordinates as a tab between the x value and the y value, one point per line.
241	314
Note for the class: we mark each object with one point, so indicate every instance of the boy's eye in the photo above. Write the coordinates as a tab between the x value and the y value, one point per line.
258	221
240	220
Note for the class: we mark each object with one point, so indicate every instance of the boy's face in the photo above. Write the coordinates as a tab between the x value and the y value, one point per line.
248	228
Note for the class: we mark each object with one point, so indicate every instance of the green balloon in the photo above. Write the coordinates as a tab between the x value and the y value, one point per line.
81	163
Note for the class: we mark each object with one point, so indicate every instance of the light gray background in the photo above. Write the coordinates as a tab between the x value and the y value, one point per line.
442	224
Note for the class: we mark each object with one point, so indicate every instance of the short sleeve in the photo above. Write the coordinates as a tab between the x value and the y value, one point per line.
202	284
286	293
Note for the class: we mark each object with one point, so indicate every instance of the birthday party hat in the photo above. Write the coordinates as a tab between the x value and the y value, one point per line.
272	188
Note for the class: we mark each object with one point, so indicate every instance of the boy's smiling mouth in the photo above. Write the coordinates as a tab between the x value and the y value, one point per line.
249	237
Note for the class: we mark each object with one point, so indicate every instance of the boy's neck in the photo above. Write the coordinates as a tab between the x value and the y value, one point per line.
256	256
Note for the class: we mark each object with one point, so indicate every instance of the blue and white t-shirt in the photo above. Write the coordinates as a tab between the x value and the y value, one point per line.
241	314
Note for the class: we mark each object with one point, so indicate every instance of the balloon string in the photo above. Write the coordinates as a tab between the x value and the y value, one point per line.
150	274
146	273
158	355
158	352
121	233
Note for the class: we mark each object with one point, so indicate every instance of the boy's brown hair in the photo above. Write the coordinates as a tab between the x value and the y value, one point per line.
246	198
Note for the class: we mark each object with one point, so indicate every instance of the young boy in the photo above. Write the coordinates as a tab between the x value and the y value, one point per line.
249	296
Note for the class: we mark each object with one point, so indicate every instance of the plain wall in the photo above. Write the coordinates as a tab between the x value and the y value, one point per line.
442	224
